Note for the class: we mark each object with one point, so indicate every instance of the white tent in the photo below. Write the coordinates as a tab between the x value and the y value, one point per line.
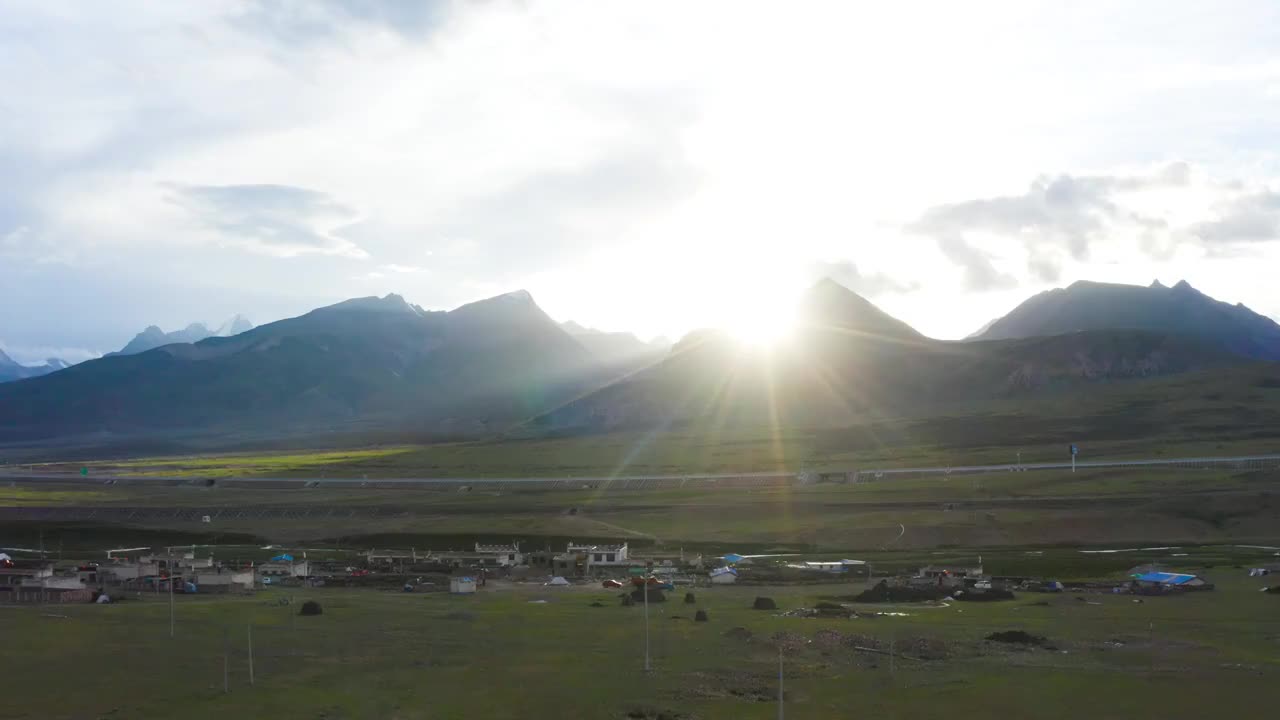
4	557
557	580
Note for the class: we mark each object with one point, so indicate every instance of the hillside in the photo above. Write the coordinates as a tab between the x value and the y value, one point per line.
849	362
1180	310
363	363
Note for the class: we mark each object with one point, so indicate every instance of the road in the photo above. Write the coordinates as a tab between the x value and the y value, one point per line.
647	482
1240	462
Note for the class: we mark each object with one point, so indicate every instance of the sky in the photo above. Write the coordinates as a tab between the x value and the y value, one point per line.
653	167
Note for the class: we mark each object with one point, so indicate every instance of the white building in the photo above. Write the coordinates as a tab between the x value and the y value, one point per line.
225	580
462	585
602	556
284	569
128	571
724	576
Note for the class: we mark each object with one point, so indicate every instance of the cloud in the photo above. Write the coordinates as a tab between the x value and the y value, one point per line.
980	274
38	354
1061	219
275	220
320	20
1247	218
847	274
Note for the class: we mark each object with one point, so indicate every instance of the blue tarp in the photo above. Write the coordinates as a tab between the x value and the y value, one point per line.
1165	578
282	558
733	558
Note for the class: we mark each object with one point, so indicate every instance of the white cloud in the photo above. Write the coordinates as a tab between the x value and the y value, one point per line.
592	151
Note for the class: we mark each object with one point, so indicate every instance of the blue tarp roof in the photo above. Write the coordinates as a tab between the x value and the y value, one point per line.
733	557
1165	578
282	558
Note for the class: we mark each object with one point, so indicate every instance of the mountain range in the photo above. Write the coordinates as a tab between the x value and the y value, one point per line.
11	370
1180	310
849	362
381	364
153	337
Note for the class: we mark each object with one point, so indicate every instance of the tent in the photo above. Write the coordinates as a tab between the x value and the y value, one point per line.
558	581
282	558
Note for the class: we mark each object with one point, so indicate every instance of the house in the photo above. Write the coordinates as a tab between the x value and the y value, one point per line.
284	569
20	573
1171	581
950	571
837	566
601	557
225	580
462	585
724	576
483	556
126	572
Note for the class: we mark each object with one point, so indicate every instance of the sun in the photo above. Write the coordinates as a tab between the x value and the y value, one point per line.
762	327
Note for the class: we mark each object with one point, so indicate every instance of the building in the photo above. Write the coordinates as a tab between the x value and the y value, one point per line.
488	556
724	576
950	571
283	569
1171	581
837	566
225	581
462	585
127	572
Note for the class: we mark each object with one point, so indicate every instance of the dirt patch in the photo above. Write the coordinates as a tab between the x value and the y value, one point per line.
883	592
728	684
1016	637
985	595
649	712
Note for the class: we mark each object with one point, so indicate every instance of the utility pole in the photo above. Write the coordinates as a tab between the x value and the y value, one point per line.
226	660
647	666
782	710
171	620
250	654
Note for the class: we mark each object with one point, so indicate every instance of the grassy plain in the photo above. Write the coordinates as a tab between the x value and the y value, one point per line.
500	655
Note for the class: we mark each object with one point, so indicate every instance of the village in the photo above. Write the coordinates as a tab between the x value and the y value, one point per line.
29	576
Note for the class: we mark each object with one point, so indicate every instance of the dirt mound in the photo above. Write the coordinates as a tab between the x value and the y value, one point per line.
985	595
764	603
701	616
311	607
1016	637
884	592
648	712
924	648
738	633
689	599
655	595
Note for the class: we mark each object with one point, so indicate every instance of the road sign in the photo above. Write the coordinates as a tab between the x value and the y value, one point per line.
1075	450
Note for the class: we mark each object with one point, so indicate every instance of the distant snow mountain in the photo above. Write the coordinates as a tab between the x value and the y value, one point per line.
1179	310
10	370
153	337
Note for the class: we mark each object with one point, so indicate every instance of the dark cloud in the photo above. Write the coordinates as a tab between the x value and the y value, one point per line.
277	219
979	273
1057	217
847	274
1248	218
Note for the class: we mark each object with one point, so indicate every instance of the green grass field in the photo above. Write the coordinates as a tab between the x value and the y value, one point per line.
499	655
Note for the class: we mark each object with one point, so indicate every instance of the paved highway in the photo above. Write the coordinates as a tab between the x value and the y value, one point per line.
653	482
